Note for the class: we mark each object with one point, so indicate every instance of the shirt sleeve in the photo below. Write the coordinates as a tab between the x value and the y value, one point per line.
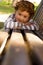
34	25
8	23
31	26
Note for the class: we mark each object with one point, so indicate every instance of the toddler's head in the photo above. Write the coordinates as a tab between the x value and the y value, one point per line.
24	11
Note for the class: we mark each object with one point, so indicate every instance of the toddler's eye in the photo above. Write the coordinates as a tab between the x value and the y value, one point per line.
19	14
25	16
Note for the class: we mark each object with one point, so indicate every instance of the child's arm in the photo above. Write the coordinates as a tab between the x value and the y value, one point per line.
32	26
7	23
29	26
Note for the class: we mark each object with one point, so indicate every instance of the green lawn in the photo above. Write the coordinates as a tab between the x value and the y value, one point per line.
6	7
1	25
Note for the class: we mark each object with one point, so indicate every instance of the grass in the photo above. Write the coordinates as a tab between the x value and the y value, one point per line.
6	7
1	25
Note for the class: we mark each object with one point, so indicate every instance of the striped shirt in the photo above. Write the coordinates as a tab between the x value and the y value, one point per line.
11	23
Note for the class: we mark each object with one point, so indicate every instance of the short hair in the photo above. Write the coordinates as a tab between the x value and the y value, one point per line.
25	6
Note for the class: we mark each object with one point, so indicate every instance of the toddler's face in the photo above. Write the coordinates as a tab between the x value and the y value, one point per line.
22	16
